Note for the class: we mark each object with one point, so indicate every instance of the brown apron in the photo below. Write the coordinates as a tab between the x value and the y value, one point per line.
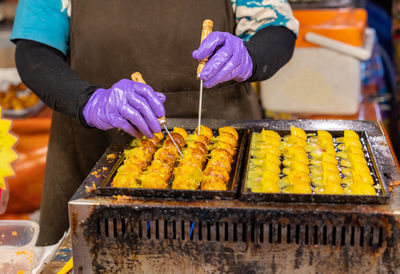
111	39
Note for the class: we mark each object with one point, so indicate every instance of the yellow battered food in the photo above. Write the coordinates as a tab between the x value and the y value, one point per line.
152	163
299	164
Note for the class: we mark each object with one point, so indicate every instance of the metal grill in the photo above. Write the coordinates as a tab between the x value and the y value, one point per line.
247	232
231	236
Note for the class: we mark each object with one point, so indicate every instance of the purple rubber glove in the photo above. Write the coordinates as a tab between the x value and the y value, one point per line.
130	106
229	59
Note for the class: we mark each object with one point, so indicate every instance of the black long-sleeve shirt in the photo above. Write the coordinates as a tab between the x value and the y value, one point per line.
45	70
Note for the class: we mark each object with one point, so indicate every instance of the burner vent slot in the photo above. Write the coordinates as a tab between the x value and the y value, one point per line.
252	232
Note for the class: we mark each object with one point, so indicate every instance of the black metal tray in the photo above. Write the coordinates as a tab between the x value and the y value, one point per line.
232	187
381	197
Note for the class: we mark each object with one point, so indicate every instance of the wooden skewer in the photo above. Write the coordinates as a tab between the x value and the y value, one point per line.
137	77
207	29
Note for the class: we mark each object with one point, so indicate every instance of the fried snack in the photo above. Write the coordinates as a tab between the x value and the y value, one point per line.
197	138
264	167
230	130
222	153
298	132
298	189
360	189
187	177
136	160
153	180
218	172
149	165
270	133
263	150
179	140
228	147
126	176
164	162
220	162
226	137
180	131
309	161
205	131
213	183
358	178
194	153
198	145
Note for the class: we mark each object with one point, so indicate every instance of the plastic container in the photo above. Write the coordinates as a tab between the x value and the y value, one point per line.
17	241
324	74
10	76
4	194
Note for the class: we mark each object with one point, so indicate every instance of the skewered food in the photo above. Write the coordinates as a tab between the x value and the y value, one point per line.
207	132
136	160
230	130
156	163
223	149
213	183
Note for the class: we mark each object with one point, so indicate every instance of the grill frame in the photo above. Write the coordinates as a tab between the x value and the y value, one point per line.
98	254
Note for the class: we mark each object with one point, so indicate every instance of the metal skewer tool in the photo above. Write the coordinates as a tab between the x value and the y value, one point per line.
207	29
137	77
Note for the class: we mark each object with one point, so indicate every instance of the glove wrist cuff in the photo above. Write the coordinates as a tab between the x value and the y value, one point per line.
85	101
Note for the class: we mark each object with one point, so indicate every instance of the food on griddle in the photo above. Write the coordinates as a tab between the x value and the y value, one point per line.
301	164
136	161
188	175
152	163
230	130
264	167
358	179
197	138
227	138
213	183
153	180
297	179
268	183
198	145
207	132
223	150
159	172
180	131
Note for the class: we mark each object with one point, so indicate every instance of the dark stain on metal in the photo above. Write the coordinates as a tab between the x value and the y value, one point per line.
74	223
298	255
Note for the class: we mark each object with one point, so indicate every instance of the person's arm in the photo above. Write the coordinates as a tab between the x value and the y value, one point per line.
269	30
133	107
264	42
44	70
270	49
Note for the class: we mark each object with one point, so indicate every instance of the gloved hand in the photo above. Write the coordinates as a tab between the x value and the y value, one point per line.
130	106
228	59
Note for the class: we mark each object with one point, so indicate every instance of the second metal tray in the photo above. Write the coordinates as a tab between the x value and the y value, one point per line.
232	187
381	197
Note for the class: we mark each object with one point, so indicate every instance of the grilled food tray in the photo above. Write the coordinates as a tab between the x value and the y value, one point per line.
381	197
232	187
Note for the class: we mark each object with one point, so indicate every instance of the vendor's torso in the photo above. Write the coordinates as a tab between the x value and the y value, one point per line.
111	39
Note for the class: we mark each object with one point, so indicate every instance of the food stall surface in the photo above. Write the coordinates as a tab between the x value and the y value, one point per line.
122	233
